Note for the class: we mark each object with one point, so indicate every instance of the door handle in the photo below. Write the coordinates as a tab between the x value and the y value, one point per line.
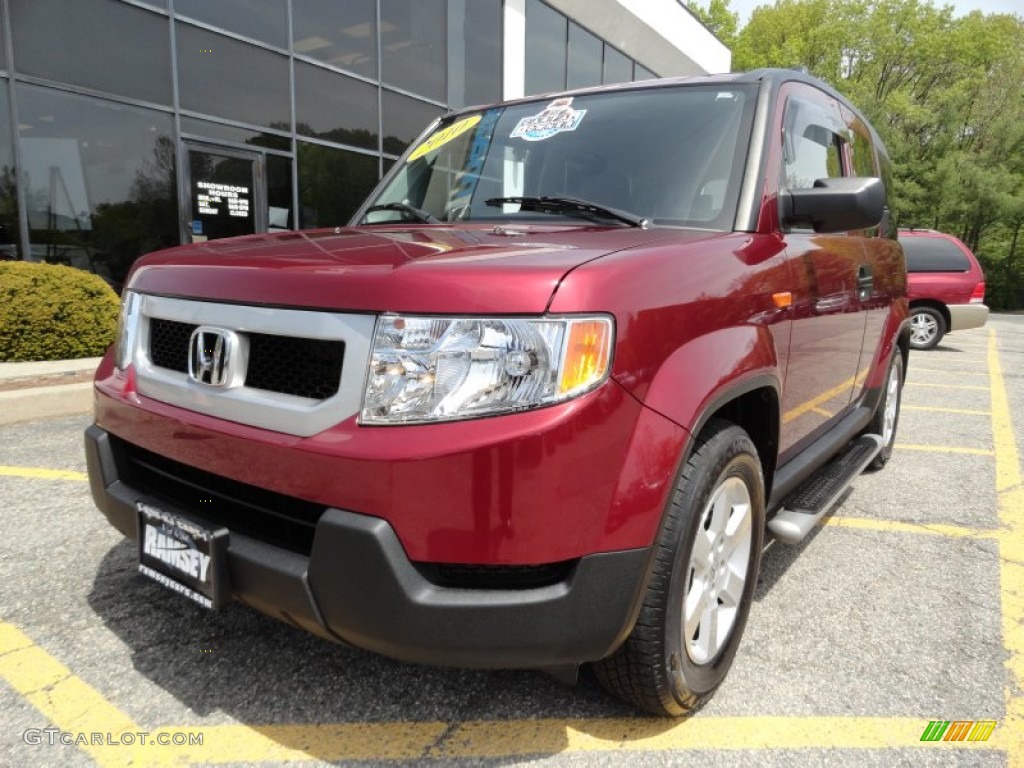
865	282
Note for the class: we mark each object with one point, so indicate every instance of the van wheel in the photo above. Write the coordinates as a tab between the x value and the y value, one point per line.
927	327
702	581
887	414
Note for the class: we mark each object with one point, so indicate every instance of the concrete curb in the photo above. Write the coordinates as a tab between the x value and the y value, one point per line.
44	402
50	398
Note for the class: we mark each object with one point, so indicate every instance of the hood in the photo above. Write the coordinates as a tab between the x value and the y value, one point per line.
471	269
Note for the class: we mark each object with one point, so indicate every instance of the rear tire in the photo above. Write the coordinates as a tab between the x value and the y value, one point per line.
927	327
887	414
702	582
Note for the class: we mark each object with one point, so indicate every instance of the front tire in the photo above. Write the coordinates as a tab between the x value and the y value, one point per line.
927	327
702	583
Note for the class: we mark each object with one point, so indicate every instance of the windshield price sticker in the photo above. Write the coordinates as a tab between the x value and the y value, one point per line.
442	137
558	116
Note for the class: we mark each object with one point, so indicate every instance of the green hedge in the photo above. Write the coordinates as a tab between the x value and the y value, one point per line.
50	312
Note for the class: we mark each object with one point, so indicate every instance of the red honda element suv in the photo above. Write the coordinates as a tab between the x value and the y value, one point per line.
540	403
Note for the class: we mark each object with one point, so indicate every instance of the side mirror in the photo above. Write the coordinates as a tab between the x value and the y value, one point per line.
835	205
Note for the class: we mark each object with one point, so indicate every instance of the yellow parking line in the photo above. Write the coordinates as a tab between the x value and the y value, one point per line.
915	369
719	733
43	474
945	449
328	742
824	397
896	526
74	707
946	386
936	409
65	699
522	738
1010	493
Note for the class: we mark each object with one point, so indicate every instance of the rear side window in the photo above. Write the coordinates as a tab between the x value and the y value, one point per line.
933	254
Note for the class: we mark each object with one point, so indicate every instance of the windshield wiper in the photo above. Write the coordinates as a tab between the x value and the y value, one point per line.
572	206
418	213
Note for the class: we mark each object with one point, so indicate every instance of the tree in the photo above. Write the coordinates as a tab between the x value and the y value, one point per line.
718	18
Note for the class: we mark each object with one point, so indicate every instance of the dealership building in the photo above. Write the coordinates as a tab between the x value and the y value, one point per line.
132	125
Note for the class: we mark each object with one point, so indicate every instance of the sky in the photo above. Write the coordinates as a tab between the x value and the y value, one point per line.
961	7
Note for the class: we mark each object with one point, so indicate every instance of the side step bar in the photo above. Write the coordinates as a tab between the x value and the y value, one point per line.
803	508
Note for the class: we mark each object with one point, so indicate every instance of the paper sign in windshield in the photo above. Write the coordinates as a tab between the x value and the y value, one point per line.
443	136
558	116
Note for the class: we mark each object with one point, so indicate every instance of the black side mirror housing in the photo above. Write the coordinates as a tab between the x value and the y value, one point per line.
835	205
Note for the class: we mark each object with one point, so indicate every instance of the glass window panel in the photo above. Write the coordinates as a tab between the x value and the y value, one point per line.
99	180
933	254
413	46
226	77
210	130
816	154
265	20
10	242
546	32
585	52
279	194
404	120
474	52
863	153
618	67
332	184
332	106
340	33
643	73
90	47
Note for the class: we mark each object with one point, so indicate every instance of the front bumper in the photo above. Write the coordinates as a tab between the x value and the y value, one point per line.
963	317
358	586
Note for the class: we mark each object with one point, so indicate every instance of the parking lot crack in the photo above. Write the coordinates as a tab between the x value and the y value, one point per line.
437	748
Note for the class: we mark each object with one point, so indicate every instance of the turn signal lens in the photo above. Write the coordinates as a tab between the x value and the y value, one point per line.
978	294
127	324
587	353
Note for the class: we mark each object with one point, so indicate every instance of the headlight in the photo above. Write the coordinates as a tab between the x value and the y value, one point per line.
127	325
441	369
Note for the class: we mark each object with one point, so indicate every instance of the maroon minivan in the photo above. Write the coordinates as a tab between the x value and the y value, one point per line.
945	285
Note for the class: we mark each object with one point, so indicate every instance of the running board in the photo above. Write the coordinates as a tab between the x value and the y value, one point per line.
803	508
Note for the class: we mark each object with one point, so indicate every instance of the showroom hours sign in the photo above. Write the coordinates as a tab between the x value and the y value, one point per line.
224	198
221	209
215	199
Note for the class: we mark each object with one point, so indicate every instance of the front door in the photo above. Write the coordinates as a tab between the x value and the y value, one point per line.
226	193
828	321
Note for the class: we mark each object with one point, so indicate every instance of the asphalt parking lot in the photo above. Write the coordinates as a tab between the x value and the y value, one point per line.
906	606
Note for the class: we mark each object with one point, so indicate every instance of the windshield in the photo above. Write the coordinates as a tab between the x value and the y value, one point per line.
670	155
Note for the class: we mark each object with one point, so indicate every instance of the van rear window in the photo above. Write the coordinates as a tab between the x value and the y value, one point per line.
933	254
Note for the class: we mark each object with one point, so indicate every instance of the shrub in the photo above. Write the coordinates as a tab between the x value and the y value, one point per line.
51	312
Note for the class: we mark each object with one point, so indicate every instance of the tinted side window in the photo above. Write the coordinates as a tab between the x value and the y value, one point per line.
863	156
813	153
933	254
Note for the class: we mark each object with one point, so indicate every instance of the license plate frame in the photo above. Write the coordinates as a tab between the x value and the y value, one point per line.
186	556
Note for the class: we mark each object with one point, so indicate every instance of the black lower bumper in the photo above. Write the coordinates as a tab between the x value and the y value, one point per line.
357	586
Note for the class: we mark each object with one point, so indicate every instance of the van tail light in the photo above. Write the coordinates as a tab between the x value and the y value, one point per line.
978	295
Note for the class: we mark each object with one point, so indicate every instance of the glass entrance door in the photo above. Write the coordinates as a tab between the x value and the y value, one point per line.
226	191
